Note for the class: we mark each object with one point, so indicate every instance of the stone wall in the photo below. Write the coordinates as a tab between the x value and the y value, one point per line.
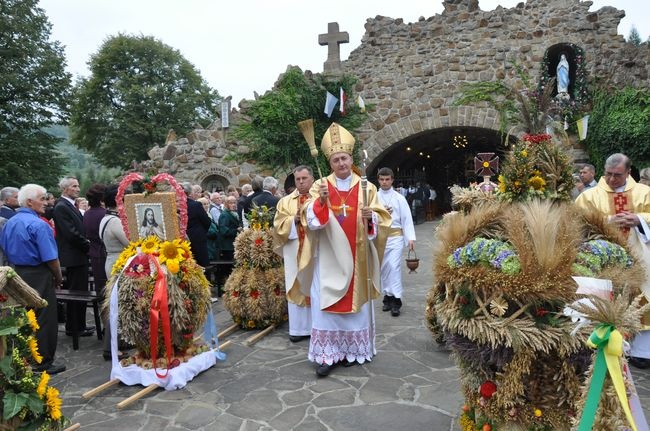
412	73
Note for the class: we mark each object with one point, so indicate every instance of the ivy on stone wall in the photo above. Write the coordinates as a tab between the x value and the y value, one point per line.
620	123
272	134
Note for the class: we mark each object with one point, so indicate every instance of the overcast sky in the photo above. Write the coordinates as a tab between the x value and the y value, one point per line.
243	46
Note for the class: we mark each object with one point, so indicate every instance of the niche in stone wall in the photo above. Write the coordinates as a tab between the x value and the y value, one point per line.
578	92
214	183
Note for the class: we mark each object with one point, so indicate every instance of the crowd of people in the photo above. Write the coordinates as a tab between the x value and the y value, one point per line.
72	243
340	221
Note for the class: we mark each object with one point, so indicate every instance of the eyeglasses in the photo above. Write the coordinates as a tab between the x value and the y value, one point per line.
615	175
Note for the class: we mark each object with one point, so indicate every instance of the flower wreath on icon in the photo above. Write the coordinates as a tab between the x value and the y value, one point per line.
157	296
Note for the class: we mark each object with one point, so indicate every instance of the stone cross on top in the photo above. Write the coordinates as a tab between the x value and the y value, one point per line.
333	38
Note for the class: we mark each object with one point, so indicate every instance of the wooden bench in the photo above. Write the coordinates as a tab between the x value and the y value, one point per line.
66	296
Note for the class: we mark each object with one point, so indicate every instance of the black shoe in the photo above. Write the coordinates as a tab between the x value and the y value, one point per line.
324	369
297	338
388	303
51	368
397	304
641	363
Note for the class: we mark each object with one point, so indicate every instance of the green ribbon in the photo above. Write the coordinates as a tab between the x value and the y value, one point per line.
609	342
599	339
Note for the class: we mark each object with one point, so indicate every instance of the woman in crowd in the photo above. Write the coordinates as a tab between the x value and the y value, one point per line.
228	228
112	235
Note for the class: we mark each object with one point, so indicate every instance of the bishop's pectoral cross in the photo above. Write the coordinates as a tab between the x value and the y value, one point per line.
341	210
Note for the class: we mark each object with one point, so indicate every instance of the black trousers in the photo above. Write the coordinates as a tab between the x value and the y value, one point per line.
76	278
40	278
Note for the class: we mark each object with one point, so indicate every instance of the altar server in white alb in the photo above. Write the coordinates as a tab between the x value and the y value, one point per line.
401	234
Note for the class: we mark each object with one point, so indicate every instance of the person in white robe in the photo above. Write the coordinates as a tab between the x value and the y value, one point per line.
626	204
401	234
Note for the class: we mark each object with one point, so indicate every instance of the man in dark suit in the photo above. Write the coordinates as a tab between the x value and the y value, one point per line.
257	184
198	224
73	246
267	197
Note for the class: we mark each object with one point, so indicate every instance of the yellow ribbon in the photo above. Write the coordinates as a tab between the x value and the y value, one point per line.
609	342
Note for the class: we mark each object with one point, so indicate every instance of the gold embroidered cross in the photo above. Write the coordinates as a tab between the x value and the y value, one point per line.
620	202
343	207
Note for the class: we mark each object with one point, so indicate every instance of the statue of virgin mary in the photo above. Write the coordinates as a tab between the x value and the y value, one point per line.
562	75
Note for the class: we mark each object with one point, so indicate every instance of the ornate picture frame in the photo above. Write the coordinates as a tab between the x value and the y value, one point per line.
152	214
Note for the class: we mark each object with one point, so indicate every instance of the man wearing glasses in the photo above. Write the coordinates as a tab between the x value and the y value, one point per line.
626	204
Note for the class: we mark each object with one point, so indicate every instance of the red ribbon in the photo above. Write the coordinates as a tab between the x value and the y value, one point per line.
159	310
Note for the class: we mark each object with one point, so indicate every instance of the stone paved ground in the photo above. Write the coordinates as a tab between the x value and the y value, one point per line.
411	383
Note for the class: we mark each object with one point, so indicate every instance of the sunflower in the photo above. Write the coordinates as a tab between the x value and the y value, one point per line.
537	182
185	246
53	402
33	347
150	245
524	153
171	255
42	384
31	318
502	184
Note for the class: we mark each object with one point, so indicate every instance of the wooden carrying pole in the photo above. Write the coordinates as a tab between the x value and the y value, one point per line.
255	338
91	393
135	397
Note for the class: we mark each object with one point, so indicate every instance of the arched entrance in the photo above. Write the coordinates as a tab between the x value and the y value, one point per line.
216	178
214	183
440	157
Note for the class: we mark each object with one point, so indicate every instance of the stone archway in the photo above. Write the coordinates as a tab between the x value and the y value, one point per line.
438	149
440	157
216	178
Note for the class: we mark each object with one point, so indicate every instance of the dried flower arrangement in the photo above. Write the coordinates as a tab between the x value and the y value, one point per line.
254	294
503	269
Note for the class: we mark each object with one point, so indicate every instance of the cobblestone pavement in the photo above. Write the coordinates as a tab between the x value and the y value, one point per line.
412	383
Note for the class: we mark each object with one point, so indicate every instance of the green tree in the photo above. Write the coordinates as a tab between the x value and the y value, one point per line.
634	37
34	90
272	133
139	88
620	123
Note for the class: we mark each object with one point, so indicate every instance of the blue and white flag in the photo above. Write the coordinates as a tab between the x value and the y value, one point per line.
330	103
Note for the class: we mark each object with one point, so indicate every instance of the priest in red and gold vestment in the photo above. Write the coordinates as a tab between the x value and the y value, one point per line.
342	327
626	204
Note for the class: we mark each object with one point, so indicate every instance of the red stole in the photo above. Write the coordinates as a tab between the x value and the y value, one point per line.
620	204
348	203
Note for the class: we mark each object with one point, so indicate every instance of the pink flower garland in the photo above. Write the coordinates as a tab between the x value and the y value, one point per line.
181	198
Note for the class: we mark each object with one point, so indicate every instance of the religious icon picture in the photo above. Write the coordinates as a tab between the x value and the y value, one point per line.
152	215
150	220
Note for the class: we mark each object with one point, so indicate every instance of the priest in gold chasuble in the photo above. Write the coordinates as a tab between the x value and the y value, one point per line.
341	326
626	204
289	233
